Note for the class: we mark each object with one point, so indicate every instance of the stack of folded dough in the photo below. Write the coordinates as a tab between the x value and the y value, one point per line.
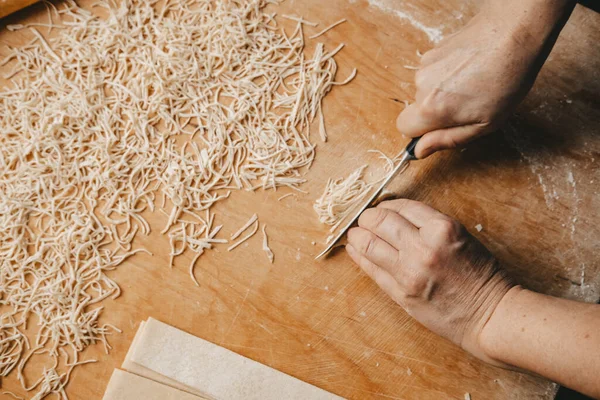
166	363
127	386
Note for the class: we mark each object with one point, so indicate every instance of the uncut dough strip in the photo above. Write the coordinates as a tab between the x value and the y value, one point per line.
127	386
137	369
213	370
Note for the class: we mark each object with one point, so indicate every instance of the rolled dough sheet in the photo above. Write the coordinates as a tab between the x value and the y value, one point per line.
212	370
126	386
137	369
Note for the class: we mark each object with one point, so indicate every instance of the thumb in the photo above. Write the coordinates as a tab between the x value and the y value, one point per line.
412	123
447	138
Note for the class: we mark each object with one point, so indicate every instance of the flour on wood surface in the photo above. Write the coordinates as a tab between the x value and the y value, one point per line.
434	34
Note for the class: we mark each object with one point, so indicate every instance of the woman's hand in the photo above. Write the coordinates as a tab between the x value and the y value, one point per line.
474	79
429	265
450	283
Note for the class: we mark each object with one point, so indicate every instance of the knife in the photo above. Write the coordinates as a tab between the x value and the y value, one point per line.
407	156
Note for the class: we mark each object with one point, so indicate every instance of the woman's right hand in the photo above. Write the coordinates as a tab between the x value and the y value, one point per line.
469	84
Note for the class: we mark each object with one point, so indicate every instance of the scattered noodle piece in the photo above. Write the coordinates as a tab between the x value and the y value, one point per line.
300	20
14	395
184	101
390	163
348	79
197	236
242	240
286	196
243	228
330	27
411	67
192	266
265	245
341	197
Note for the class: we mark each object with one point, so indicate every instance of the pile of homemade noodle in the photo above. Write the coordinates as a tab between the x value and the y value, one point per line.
129	107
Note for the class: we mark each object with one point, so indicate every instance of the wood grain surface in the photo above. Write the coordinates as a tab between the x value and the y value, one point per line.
8	7
533	188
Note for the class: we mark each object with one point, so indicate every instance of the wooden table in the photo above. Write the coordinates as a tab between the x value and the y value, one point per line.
533	188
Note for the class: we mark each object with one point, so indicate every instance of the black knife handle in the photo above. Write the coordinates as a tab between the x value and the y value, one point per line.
410	148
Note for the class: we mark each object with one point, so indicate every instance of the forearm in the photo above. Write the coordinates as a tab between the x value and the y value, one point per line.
556	338
537	18
532	24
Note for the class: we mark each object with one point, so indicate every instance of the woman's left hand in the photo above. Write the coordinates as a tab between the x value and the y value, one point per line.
432	267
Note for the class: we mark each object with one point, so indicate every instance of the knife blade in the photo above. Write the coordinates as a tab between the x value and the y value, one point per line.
407	155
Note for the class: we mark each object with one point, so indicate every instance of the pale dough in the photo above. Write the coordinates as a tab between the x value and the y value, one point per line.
126	386
211	370
140	370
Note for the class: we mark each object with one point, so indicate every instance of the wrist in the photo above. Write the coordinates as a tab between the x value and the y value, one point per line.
491	335
494	293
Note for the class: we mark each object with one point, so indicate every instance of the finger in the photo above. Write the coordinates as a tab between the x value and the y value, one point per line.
432	56
415	212
447	40
387	225
447	138
375	249
412	123
381	277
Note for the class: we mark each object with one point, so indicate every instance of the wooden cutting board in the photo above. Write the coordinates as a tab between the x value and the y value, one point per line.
8	7
533	188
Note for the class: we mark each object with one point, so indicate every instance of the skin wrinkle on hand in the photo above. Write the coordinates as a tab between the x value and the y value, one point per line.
409	249
475	304
467	88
